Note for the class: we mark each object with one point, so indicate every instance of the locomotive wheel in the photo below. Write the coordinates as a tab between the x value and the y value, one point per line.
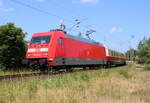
108	65
44	69
34	66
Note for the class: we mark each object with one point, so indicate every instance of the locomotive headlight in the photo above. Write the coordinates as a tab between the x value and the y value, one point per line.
30	54
31	50
44	49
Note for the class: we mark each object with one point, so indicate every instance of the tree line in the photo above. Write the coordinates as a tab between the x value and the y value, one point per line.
143	53
13	48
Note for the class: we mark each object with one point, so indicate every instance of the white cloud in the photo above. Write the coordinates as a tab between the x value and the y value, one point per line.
115	29
89	1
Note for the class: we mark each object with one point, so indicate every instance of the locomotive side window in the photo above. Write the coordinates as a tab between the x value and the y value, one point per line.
40	40
60	40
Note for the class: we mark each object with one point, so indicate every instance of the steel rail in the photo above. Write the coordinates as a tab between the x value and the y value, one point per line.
59	73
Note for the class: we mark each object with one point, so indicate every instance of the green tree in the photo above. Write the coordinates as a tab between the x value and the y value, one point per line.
144	51
12	46
131	54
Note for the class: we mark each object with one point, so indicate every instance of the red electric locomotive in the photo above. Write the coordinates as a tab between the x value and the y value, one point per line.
57	49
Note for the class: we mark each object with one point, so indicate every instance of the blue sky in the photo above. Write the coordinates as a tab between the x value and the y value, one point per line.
116	21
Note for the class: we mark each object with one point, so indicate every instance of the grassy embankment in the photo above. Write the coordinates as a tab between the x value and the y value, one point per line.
117	85
13	72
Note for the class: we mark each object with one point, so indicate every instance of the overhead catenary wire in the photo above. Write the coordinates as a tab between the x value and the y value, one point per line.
68	10
63	7
122	43
41	10
77	24
58	4
48	13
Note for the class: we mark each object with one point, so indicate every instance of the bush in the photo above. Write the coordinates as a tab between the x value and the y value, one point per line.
147	67
144	51
2	67
12	46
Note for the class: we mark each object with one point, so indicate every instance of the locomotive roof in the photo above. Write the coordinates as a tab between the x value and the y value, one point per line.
78	38
82	39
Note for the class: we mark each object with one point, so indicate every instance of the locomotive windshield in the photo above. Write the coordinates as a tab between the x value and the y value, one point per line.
41	40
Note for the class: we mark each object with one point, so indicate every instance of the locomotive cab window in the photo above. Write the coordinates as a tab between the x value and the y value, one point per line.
40	40
60	40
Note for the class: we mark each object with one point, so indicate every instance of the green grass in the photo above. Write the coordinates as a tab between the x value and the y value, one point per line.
121	84
147	67
14	72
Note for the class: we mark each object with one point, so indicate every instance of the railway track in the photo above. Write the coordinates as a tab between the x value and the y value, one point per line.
48	74
22	76
4	77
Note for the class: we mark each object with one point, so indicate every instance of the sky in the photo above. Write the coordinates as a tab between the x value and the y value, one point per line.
119	24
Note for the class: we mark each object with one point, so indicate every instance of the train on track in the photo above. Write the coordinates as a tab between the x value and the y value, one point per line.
56	50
